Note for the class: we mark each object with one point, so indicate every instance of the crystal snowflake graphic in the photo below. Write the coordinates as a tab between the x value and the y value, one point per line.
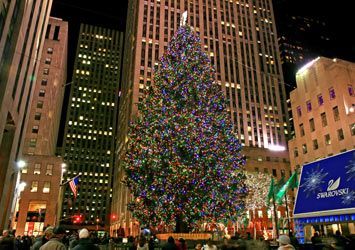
348	198
313	181
351	169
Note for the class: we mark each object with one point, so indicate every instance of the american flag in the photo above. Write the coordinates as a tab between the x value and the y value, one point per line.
73	183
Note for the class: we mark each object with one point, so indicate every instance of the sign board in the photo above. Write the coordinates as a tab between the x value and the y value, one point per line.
327	187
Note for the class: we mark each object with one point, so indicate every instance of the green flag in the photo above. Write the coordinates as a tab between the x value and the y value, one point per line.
271	192
291	183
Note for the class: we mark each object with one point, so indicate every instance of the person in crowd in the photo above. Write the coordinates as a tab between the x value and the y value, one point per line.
73	240
85	242
56	241
170	245
294	241
316	239
151	242
6	241
181	244
26	242
142	244
209	245
18	243
285	243
341	242
40	241
198	246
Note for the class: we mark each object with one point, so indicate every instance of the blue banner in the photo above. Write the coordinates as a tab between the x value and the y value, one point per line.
327	186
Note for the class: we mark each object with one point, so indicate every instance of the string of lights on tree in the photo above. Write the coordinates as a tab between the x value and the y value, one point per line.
258	186
183	159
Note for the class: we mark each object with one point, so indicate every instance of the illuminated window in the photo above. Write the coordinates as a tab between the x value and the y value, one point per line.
301	129
46	187
35	129
324	119
320	100
352	129
40	104
332	93
37	169
311	124
42	93
34	186
304	148
299	111
24	170
327	139
46	71
49	169
309	106
33	142
315	144
336	113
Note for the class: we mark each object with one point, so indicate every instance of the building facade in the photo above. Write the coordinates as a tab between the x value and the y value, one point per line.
90	129
22	28
323	108
37	199
241	39
42	173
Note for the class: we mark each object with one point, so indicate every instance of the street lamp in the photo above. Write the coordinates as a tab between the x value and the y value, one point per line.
19	187
21	164
97	224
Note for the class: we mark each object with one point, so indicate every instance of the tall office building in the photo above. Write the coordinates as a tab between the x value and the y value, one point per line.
90	128
240	38
323	108
36	205
22	32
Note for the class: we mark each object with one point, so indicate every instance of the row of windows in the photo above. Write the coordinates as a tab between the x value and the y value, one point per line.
38	168
327	140
35	186
320	99
323	119
274	172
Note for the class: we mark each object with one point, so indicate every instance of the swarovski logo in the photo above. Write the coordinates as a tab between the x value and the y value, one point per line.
333	185
332	190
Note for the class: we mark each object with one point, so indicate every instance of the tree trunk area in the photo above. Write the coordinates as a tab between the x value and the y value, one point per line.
181	226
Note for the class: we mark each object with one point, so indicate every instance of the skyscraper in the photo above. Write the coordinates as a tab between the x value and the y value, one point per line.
22	28
90	129
36	205
240	37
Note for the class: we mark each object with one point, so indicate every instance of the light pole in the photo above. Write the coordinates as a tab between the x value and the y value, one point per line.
61	193
20	186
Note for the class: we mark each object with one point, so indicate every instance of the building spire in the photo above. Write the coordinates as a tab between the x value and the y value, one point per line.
183	19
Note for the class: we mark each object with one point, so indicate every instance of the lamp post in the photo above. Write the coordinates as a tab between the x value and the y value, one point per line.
20	186
97	225
61	193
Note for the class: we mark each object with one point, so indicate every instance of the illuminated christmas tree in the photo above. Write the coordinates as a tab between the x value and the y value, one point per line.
183	161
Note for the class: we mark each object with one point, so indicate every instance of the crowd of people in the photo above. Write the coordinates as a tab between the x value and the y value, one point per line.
54	238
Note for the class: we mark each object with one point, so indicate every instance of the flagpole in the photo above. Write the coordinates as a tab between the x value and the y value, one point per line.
69	180
275	215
